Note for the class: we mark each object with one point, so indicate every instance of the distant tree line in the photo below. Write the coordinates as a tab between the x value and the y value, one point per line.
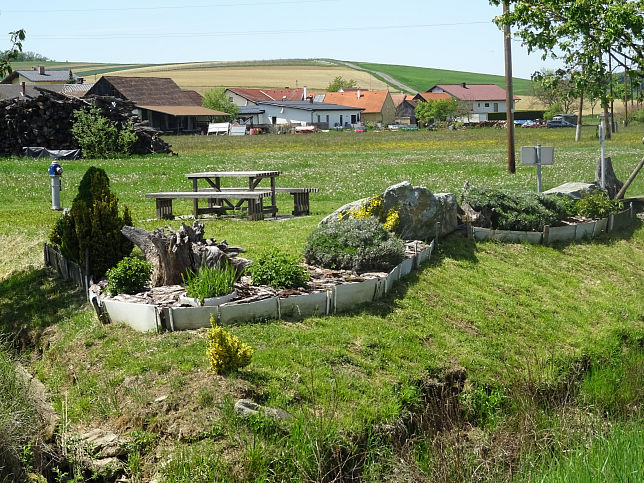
27	56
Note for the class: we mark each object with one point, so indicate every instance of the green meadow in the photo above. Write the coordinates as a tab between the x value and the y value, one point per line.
493	362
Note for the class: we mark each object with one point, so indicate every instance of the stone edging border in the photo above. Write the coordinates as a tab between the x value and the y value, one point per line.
553	234
148	317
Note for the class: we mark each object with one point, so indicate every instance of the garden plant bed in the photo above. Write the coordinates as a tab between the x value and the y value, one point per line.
568	230
327	292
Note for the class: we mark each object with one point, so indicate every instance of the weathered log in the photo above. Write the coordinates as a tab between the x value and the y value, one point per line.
174	253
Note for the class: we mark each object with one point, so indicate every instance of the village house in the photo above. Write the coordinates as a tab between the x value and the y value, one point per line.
250	97
305	113
377	106
406	108
160	101
479	99
41	76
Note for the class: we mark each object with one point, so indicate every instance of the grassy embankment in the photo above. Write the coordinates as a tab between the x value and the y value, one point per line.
550	337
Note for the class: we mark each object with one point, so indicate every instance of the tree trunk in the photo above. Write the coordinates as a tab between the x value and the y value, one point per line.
581	111
175	253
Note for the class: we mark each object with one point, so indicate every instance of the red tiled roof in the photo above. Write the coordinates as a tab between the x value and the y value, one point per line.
474	92
254	95
370	101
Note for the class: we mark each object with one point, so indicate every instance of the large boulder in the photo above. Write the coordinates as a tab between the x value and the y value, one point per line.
573	189
420	211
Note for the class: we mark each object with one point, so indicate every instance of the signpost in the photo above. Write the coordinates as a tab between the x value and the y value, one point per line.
537	156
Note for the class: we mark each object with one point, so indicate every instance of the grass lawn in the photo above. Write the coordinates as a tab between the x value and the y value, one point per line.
512	316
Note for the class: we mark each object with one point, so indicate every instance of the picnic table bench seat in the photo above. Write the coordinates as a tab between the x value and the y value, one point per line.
254	198
301	204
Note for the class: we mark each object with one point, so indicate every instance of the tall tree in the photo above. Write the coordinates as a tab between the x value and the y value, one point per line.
7	56
585	34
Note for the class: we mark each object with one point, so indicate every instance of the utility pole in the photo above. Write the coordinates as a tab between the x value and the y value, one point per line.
509	96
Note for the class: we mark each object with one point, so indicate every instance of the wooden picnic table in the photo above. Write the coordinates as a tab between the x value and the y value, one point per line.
213	179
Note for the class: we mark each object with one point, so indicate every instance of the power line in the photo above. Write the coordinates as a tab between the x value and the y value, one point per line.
168	7
247	33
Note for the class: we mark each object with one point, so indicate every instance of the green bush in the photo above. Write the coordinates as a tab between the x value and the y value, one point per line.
130	275
278	270
93	226
226	352
512	210
598	205
638	116
359	244
210	282
99	137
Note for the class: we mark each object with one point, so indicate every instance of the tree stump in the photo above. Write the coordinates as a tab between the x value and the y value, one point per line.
613	185
174	253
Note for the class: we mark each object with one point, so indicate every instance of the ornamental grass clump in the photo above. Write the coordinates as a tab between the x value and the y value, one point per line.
514	210
226	352
210	282
278	270
359	244
130	276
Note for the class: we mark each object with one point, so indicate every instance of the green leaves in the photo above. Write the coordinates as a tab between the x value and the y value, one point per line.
7	56
582	33
216	99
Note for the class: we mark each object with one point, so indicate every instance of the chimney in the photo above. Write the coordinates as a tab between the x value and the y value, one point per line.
41	69
463	85
358	93
304	95
23	89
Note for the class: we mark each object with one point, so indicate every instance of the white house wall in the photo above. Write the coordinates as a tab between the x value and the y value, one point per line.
286	115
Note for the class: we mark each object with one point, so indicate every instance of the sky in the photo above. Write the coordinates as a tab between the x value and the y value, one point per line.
453	35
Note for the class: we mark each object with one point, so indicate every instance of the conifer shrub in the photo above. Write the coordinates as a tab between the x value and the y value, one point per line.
278	270
359	244
226	352
130	275
93	226
514	210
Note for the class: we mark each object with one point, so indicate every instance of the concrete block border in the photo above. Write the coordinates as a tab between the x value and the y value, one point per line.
340	298
552	234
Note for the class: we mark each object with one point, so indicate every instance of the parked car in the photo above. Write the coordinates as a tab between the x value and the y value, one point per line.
558	123
534	123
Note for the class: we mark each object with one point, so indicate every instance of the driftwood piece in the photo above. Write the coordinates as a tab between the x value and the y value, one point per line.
173	253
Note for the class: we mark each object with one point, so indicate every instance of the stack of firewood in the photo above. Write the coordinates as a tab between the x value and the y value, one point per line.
46	121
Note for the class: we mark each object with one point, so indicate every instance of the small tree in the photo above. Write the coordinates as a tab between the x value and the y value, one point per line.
216	99
437	110
99	137
341	83
554	87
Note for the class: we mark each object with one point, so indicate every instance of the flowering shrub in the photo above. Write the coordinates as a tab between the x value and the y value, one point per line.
373	207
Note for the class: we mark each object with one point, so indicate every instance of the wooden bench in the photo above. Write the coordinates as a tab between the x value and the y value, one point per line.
254	199
300	197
